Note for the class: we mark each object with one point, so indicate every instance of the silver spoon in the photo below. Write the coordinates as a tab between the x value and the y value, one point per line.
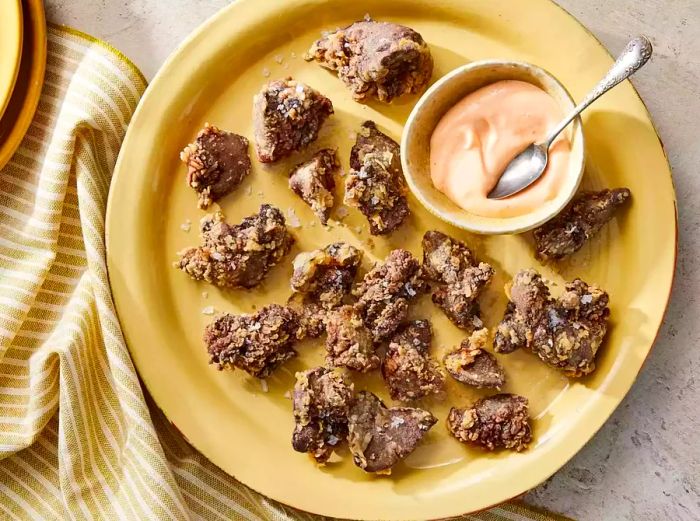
525	168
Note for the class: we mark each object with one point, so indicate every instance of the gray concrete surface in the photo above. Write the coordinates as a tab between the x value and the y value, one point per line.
645	462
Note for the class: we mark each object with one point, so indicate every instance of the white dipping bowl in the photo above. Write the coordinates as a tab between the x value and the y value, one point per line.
443	95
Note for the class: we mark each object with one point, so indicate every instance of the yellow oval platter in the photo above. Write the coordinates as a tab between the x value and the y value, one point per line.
11	29
245	429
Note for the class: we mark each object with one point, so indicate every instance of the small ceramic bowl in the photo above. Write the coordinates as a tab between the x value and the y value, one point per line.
438	99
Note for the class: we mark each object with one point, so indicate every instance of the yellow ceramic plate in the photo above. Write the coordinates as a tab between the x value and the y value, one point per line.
227	416
25	97
10	48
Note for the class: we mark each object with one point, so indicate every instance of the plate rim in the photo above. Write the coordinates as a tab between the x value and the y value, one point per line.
35	14
11	37
164	70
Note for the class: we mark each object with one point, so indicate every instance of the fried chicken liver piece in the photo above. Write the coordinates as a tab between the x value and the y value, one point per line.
378	59
473	365
565	332
386	291
461	280
579	222
313	181
321	400
349	342
381	437
238	256
375	184
257	343
494	422
217	162
325	276
408	369
287	116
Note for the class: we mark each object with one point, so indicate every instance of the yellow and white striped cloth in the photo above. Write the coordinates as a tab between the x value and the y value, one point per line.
77	438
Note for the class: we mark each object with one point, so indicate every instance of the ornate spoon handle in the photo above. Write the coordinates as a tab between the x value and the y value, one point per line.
635	55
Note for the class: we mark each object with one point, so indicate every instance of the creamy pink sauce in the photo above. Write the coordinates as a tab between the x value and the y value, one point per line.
475	140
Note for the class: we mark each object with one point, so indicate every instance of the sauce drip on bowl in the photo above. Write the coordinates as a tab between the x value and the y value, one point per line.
475	140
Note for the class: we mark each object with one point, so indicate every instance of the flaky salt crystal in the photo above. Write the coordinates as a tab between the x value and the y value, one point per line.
263	385
292	218
342	212
395	422
209	310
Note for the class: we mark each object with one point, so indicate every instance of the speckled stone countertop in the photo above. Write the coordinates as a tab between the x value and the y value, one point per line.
644	464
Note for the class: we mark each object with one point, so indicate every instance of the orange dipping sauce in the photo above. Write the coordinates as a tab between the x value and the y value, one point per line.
476	139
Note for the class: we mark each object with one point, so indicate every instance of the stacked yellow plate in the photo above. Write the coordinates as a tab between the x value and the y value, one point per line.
22	66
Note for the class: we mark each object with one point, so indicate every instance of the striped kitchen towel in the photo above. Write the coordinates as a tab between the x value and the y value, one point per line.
78	440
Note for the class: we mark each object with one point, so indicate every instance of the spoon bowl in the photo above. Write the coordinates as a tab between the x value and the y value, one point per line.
521	172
